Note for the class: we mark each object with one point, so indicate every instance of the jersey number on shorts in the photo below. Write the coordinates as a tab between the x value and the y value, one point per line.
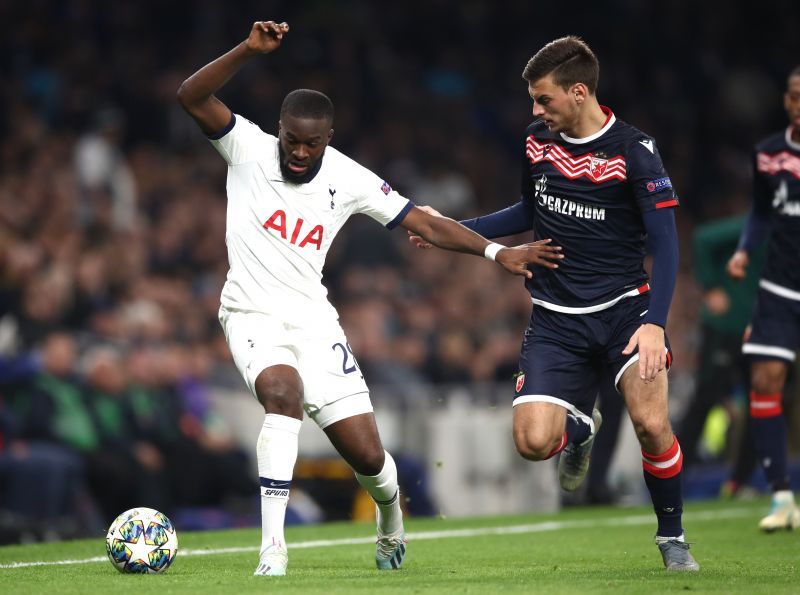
347	353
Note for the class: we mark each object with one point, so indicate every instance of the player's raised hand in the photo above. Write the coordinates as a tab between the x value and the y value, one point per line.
652	350
266	36
737	265
417	240
540	253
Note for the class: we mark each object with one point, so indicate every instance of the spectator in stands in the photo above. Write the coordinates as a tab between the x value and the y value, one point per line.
126	468
45	478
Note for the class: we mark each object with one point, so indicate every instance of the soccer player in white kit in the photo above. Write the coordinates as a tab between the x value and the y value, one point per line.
285	205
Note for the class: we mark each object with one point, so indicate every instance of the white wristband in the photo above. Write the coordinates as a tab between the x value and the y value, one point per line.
491	250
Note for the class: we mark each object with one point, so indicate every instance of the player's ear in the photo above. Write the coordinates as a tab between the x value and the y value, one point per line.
330	135
579	92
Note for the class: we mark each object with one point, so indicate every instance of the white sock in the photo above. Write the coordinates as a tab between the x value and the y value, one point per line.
276	451
660	539
386	493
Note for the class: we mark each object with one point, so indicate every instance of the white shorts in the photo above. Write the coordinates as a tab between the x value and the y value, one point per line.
333	386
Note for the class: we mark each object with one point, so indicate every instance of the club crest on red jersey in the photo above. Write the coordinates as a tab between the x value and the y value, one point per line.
520	382
597	166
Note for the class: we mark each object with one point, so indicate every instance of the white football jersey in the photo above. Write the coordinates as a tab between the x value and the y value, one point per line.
279	233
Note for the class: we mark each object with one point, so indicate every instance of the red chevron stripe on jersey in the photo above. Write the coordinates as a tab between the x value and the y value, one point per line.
588	166
783	161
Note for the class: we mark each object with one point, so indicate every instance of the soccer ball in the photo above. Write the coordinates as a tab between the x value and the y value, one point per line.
141	540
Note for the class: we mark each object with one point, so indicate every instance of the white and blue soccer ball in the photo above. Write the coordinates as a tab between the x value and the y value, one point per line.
142	540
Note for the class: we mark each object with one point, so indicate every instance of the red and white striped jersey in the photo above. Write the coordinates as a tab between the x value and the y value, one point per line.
776	195
588	194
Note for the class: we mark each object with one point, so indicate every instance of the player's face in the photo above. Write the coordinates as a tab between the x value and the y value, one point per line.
791	101
302	144
554	104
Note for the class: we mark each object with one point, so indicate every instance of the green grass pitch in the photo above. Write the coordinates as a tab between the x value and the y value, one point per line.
579	550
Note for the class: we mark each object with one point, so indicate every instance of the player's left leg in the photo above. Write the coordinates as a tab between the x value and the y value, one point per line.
356	438
337	399
611	406
662	462
769	430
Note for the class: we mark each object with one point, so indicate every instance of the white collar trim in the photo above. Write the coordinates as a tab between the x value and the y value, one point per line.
789	141
581	141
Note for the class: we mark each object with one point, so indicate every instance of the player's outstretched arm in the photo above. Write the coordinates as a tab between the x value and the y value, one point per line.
515	219
450	235
196	94
417	240
756	227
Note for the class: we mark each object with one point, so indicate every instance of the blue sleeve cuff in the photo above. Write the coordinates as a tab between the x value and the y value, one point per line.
400	216
228	127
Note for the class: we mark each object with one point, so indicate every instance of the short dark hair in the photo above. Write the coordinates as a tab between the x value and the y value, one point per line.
570	61
307	103
794	72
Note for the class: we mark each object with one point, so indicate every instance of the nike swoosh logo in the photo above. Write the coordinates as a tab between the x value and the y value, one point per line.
647	144
271	483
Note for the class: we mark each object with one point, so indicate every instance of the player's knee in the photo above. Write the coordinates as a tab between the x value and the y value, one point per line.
280	393
534	445
652	429
768	379
369	462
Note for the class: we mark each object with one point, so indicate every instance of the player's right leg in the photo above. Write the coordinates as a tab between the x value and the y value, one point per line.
554	393
258	344
280	391
543	430
573	464
538	429
611	406
772	348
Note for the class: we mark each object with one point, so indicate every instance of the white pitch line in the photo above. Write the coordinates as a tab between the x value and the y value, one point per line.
53	563
644	519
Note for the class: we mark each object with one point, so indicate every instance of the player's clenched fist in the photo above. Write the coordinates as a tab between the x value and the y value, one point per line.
266	36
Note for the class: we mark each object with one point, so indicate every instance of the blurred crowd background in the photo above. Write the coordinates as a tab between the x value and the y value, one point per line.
112	205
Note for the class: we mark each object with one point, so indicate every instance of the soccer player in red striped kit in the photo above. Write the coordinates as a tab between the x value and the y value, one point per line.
597	186
772	345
